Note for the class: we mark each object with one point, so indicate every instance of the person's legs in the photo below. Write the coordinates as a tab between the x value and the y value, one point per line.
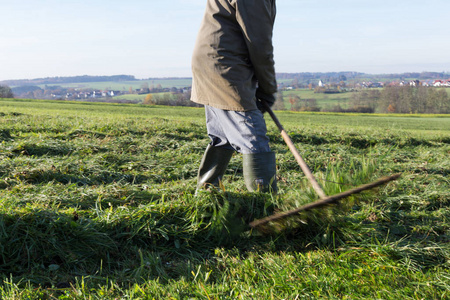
243	131
246	133
260	172
212	167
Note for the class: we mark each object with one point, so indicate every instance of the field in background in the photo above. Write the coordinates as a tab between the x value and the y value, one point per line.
125	85
130	91
97	202
323	100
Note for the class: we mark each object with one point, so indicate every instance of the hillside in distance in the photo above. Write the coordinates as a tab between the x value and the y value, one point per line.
298	77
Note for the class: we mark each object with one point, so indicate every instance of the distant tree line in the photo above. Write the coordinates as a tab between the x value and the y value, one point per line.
362	76
406	99
301	79
316	76
415	75
36	92
70	79
392	99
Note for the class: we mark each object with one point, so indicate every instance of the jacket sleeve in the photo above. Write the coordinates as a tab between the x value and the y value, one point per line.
256	19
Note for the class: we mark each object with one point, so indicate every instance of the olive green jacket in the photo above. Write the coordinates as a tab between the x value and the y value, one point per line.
233	55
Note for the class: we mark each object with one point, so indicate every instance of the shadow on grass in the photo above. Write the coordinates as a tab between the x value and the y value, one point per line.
358	141
91	178
57	149
40	176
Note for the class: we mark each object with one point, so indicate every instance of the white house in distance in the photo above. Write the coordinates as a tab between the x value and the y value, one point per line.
442	83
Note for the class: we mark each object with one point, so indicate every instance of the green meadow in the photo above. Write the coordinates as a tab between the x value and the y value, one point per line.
323	100
97	202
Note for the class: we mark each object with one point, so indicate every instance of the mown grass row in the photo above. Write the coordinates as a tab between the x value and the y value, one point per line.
97	202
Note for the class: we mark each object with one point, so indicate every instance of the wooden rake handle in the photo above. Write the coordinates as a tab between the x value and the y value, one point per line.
316	186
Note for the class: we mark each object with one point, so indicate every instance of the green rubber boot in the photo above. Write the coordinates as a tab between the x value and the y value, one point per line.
212	167
260	172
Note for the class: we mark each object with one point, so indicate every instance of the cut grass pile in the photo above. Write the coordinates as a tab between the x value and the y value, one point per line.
97	202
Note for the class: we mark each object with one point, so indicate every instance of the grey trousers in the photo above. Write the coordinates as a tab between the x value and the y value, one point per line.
242	131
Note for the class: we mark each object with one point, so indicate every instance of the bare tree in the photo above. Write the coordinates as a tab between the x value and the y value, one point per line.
6	92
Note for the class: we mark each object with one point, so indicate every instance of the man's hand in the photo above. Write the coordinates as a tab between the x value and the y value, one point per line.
262	100
264	104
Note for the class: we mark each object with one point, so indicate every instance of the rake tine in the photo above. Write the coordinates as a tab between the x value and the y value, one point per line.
326	201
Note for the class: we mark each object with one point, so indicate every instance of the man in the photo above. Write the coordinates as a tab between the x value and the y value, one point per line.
233	70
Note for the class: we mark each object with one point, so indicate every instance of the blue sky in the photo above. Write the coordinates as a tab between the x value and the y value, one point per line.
154	38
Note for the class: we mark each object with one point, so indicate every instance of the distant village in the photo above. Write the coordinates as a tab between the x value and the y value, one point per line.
331	82
86	95
435	83
97	94
342	86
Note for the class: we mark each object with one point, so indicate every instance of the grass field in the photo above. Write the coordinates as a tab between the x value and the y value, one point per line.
323	100
97	202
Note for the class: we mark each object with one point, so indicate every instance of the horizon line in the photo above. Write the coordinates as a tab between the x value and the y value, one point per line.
190	77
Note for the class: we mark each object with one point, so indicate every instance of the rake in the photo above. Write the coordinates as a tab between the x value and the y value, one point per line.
324	199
